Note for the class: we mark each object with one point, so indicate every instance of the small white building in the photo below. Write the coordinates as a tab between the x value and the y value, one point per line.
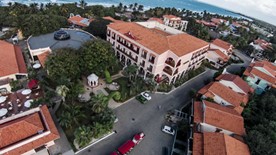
175	22
93	80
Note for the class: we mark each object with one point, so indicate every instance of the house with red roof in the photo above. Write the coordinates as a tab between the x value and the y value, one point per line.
28	132
79	21
261	75
175	22
224	95
218	144
235	83
212	117
219	53
218	21
12	65
261	44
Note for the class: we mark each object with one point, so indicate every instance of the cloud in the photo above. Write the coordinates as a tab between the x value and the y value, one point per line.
261	9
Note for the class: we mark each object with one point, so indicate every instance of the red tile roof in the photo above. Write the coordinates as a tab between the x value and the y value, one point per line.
43	57
238	81
156	19
222	56
112	19
12	60
170	16
20	129
222	144
224	92
219	116
180	44
218	20
252	71
222	44
78	20
198	144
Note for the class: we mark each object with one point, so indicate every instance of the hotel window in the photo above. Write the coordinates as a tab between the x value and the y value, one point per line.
152	59
144	54
257	82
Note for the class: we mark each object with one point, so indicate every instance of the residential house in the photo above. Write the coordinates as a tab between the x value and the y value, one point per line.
12	65
28	132
212	117
235	83
224	95
218	21
79	21
218	144
211	25
261	75
175	22
219	53
157	49
261	45
156	19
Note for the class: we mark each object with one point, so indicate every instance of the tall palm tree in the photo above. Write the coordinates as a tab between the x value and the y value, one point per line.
131	71
130	6
83	4
76	113
140	8
99	103
83	135
62	91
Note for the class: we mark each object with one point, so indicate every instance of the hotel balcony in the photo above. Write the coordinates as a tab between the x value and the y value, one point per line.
170	62
128	55
129	47
149	68
168	70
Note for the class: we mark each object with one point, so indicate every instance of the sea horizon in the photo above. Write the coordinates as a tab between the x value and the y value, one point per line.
192	5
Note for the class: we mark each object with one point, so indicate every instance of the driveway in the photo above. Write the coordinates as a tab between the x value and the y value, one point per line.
233	68
135	117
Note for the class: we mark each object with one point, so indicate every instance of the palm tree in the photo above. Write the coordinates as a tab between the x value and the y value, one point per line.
63	9
65	119
76	113
62	91
125	8
130	6
99	103
140	8
83	135
120	6
82	4
131	71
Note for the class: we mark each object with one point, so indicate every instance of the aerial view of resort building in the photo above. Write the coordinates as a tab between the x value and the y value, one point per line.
179	77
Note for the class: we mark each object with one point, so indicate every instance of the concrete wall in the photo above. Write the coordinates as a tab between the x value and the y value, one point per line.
155	24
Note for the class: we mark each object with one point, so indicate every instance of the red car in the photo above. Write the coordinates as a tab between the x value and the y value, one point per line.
129	145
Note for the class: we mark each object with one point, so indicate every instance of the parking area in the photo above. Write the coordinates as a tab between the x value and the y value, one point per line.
135	117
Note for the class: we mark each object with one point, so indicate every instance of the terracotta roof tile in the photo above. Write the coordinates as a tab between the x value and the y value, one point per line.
238	81
222	56
268	66
222	144
12	60
156	19
112	19
180	44
225	93
219	116
170	16
28	126
43	57
198	144
78	20
222	44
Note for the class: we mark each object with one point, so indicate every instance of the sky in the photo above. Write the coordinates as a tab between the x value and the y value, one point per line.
261	9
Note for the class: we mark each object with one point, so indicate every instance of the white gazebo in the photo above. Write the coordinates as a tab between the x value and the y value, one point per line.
93	80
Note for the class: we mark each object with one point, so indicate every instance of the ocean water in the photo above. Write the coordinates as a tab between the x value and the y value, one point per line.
193	5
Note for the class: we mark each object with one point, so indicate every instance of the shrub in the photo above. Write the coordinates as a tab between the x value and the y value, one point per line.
107	77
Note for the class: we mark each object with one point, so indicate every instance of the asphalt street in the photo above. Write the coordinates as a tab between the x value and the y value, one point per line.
135	117
233	68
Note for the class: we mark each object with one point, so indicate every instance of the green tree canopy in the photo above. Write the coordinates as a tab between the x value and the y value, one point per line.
63	66
96	56
98	27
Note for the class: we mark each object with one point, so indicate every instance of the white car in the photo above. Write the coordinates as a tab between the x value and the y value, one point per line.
146	95
168	130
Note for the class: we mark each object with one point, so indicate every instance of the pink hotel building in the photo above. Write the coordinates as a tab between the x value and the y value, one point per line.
157	49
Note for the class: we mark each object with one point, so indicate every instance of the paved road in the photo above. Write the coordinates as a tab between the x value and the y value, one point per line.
135	117
237	67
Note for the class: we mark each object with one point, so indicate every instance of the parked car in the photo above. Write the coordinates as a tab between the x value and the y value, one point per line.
168	130
146	95
141	99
